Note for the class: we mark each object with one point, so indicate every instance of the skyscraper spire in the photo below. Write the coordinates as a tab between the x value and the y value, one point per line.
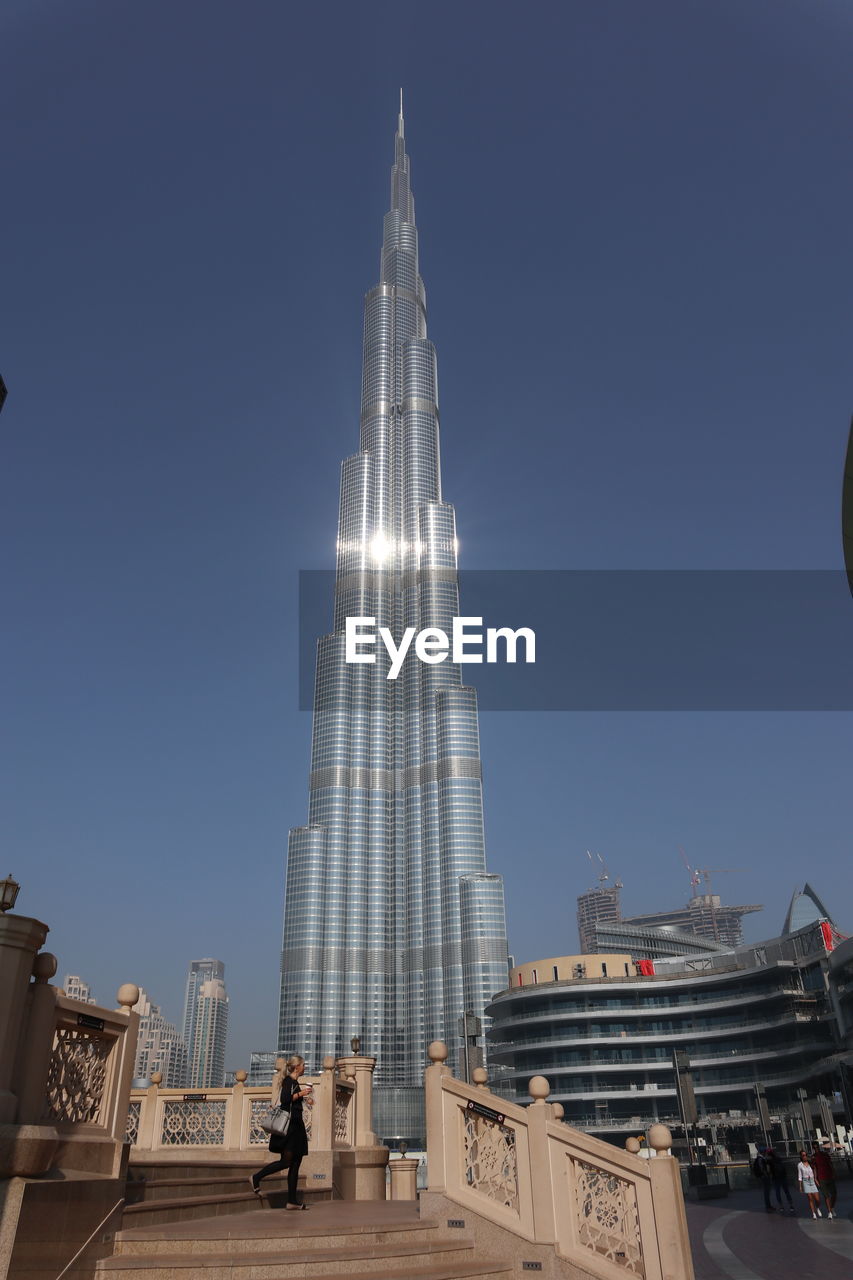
392	929
400	128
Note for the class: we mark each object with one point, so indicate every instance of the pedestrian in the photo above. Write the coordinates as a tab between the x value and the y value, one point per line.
825	1175
294	1144
808	1185
761	1169
779	1176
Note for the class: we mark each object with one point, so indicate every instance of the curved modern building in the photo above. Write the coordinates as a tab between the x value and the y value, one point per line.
756	1016
392	927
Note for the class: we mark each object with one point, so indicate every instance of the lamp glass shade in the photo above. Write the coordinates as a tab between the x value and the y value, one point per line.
9	890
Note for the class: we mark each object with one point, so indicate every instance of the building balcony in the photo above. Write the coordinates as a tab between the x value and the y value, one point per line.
782	1018
575	1012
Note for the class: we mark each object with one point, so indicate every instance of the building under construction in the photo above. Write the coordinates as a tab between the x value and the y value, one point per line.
704	916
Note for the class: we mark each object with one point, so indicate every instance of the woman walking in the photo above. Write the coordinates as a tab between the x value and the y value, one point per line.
808	1184
294	1145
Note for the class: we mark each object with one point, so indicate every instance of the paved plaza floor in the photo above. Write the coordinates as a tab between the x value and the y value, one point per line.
735	1239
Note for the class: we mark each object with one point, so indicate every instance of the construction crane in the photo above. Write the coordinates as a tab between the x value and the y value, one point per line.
604	874
707	872
698	874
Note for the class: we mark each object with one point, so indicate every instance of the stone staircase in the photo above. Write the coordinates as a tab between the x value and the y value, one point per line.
167	1193
364	1240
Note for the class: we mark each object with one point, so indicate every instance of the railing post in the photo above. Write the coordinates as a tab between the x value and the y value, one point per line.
34	1050
360	1070
148	1114
233	1138
673	1242
434	1105
322	1122
541	1174
124	1059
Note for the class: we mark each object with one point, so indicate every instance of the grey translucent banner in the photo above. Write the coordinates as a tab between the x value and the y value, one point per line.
614	640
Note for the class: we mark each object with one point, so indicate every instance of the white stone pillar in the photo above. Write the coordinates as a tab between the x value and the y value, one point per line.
361	1071
538	1118
435	1115
404	1178
234	1106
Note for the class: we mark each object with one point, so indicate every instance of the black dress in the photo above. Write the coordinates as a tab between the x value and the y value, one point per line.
295	1141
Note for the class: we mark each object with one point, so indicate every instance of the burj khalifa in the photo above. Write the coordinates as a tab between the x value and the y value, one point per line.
393	928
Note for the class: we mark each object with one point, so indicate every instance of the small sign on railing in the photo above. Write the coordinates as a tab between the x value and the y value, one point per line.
195	1097
496	1117
88	1021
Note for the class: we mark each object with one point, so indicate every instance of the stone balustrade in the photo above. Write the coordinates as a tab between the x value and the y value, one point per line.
230	1120
65	1066
606	1211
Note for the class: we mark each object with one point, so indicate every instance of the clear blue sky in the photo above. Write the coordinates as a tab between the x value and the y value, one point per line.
635	235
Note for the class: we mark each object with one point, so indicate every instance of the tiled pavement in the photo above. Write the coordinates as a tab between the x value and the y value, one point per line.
734	1239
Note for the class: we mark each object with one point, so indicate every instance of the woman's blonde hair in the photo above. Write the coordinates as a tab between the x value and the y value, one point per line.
295	1061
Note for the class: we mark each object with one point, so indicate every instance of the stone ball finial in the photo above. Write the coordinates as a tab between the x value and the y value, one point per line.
480	1076
660	1138
241	1076
538	1088
632	1145
557	1110
156	1077
127	995
328	1063
44	966
437	1052
281	1064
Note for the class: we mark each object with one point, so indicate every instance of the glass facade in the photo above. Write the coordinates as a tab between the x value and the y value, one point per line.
392	927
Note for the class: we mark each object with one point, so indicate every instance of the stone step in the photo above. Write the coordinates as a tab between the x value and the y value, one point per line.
418	1267
183	1207
303	1260
144	1191
336	1225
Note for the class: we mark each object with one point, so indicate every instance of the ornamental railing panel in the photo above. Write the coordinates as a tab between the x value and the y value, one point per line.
131	1132
606	1216
342	1117
77	1076
193	1124
491	1163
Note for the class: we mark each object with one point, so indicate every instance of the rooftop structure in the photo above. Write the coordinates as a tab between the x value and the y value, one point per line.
646	942
706	915
77	989
805	908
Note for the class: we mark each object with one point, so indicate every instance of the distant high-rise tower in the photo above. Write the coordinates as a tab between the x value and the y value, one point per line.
597	906
207	1064
392	928
200	971
159	1047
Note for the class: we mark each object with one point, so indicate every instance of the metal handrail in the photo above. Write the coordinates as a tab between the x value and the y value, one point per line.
90	1238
